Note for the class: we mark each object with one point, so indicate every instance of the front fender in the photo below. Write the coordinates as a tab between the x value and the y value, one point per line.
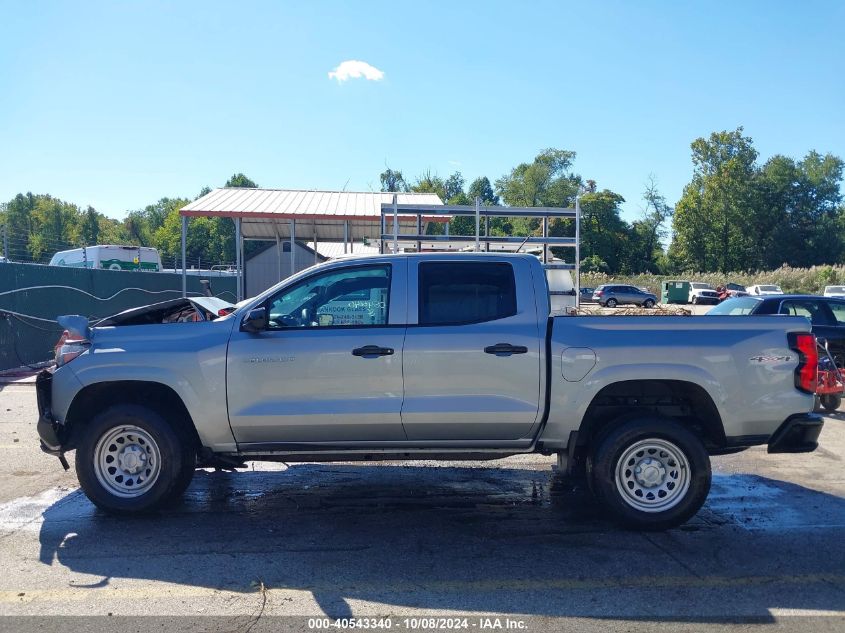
188	358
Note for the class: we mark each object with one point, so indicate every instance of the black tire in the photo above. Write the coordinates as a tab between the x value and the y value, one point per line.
691	485
648	303
611	303
695	301
830	402
176	460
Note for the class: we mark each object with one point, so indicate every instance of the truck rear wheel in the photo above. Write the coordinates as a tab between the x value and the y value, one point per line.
650	474
131	460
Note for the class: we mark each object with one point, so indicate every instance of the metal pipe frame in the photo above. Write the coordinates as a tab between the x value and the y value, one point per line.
545	244
545	213
278	250
238	261
184	263
293	247
396	225
493	239
577	251
460	209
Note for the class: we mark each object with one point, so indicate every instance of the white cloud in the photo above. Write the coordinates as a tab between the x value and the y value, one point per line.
354	69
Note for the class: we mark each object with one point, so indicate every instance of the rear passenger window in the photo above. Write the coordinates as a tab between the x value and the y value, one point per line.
455	293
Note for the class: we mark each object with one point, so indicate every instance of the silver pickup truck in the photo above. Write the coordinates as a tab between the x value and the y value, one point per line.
429	356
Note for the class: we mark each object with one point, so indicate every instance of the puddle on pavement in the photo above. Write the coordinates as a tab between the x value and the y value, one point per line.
508	499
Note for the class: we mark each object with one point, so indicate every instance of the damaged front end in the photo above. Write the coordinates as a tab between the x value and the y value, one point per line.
183	310
52	433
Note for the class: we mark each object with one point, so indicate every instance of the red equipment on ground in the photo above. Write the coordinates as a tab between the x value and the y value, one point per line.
831	380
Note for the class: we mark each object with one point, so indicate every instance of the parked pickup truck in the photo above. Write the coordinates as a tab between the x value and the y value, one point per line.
428	356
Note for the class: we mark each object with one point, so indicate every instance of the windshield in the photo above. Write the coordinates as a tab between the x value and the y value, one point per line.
735	307
701	286
838	289
770	288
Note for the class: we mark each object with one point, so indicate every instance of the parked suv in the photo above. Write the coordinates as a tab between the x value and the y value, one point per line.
702	293
765	289
612	295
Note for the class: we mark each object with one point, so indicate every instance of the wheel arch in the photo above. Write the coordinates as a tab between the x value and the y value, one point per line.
99	396
683	401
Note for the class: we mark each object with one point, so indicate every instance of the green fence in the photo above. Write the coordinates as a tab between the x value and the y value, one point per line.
32	296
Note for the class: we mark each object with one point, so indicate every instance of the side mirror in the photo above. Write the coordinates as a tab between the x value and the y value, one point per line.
255	320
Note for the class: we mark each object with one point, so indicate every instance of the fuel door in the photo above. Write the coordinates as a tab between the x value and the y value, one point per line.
577	362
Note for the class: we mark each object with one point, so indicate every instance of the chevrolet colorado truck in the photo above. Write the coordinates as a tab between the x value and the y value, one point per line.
426	356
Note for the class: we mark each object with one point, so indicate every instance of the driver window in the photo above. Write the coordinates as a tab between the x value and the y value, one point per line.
352	297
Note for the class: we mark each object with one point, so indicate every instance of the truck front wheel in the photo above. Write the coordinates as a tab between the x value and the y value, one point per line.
650	474
131	460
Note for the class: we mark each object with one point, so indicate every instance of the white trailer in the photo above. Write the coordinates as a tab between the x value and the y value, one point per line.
110	257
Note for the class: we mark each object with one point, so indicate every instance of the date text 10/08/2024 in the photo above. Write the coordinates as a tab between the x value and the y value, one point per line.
421	623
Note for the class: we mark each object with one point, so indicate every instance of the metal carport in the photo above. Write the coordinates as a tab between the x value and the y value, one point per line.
316	216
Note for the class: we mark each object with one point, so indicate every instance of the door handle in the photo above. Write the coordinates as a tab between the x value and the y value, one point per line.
370	351
505	349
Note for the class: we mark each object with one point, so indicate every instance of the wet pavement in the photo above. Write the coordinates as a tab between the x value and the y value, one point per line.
350	540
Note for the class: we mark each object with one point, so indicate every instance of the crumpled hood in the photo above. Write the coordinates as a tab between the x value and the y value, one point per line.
155	312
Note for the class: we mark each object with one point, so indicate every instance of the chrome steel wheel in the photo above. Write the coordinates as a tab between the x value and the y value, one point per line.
127	461
653	475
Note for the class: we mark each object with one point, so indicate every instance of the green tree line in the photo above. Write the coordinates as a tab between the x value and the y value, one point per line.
735	214
38	225
608	243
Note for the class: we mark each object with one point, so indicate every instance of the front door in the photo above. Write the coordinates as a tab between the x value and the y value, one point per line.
472	352
328	368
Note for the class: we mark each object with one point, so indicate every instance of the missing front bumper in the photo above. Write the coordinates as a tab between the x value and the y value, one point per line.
49	431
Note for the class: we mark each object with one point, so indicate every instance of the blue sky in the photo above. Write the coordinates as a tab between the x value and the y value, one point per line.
116	104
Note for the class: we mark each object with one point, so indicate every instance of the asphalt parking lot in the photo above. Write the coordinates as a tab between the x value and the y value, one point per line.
457	538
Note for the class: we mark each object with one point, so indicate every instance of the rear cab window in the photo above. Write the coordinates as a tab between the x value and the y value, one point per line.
458	293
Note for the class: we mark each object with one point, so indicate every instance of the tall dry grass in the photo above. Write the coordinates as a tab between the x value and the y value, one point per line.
791	280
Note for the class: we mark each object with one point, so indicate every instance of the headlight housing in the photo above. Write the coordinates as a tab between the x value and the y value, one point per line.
68	348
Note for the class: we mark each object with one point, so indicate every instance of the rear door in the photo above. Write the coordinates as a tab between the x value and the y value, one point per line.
471	360
626	294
